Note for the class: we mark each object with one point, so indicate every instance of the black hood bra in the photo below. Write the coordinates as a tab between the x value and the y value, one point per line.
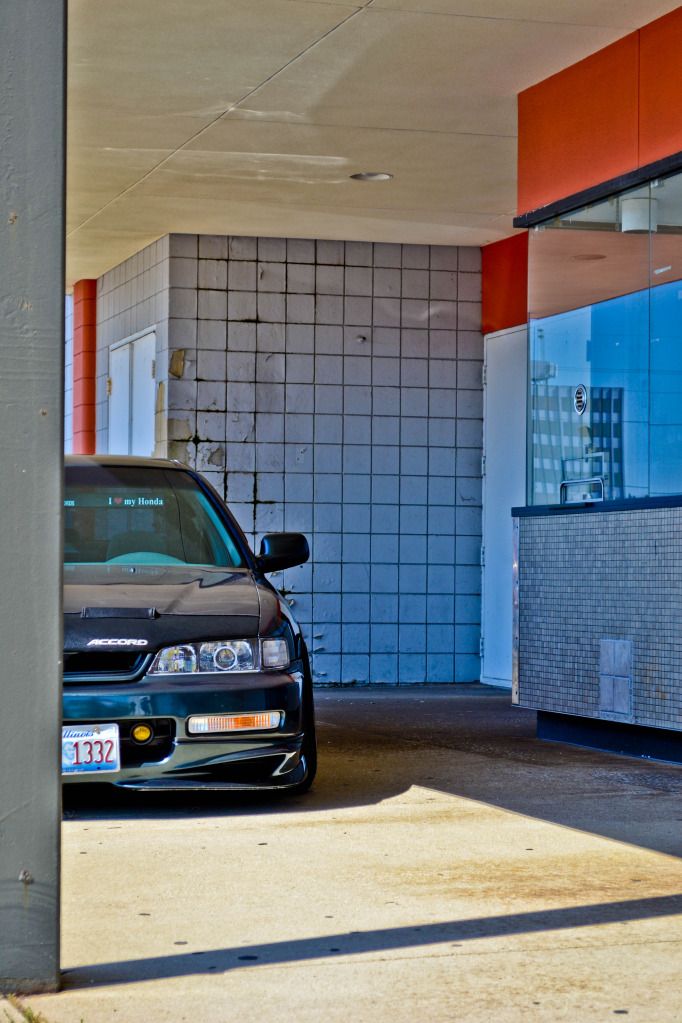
157	604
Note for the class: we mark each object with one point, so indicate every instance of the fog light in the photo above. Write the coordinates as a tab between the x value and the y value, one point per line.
141	733
205	724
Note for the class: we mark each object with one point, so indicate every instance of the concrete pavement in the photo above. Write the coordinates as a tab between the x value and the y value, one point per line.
446	866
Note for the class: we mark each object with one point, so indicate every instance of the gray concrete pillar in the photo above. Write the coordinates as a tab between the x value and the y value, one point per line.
32	97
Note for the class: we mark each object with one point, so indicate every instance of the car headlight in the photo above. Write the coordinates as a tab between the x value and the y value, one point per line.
175	660
234	655
221	657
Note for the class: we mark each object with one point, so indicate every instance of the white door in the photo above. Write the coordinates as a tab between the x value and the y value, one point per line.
132	395
504	487
143	391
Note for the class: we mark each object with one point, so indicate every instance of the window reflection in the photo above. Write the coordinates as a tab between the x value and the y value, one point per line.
605	311
666	340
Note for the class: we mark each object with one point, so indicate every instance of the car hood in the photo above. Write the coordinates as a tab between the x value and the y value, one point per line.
157	603
169	590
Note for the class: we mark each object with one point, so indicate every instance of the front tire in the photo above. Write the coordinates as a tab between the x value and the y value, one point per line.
309	746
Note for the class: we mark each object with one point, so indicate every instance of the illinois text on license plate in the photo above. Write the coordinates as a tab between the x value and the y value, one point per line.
90	748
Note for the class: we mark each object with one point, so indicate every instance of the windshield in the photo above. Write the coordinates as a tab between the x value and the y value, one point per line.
134	515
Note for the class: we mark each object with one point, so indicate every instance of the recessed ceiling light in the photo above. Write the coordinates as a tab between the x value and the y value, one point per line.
371	176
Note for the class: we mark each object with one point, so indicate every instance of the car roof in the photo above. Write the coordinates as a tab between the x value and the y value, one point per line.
127	460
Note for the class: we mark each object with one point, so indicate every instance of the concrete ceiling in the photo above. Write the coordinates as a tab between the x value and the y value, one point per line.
249	116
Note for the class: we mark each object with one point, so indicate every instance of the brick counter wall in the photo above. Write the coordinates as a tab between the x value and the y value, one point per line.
600	609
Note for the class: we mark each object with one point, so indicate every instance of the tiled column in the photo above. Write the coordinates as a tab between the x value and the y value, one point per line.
133	298
84	362
333	388
338	392
68	374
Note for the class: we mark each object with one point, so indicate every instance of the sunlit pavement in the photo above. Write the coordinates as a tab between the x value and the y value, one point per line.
446	866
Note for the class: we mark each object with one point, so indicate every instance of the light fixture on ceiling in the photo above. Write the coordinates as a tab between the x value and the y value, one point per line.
638	214
371	176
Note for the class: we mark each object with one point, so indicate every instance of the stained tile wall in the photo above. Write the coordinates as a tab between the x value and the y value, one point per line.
590	584
334	388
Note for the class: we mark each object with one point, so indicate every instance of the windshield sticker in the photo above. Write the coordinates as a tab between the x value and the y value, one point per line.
136	502
114	501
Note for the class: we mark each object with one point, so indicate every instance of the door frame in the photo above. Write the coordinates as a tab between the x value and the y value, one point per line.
519	497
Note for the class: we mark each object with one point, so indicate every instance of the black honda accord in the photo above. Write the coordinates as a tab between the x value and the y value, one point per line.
183	666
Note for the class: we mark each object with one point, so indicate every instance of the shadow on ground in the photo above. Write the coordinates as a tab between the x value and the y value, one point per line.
377	743
388	939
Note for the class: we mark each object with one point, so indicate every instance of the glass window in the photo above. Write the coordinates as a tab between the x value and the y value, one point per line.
139	516
605	373
665	451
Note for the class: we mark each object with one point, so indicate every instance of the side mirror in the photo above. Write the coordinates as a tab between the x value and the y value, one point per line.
282	550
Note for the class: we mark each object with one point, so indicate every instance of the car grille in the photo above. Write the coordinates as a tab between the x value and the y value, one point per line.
104	665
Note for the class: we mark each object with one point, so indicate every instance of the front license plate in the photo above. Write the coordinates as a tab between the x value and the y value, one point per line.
90	748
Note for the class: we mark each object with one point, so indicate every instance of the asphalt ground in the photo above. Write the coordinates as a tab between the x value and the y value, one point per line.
447	866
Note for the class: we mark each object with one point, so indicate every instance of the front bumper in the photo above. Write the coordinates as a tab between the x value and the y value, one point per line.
239	761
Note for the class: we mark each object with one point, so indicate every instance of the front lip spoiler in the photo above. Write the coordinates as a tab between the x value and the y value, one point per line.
157	785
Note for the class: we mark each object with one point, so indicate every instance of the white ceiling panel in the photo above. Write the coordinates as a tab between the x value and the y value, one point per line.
249	117
435	171
621	14
96	175
421	71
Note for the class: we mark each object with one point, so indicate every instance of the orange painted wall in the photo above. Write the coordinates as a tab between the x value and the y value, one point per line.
579	127
84	357
660	88
505	283
606	115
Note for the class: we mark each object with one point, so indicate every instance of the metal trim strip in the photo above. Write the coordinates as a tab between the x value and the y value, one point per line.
629	504
659	168
515	696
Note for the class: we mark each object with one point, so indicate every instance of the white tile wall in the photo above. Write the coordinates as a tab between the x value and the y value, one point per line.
338	392
332	388
136	295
